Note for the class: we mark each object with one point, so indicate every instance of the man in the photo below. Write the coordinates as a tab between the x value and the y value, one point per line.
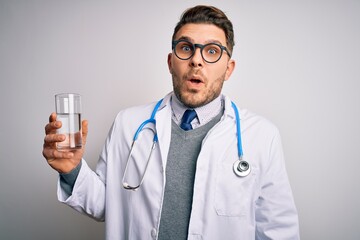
191	189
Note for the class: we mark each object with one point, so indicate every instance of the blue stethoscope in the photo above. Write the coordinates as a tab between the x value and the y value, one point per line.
241	167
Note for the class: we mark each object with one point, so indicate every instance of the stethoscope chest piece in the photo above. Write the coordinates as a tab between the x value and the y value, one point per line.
242	168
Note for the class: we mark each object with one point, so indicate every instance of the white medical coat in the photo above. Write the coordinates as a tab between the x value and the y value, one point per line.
225	206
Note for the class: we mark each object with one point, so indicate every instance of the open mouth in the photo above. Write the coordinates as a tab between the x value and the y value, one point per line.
195	80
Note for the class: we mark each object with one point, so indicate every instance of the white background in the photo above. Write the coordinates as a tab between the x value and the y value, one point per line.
297	64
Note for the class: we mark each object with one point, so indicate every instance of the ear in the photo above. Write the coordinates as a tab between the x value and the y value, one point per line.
169	62
229	69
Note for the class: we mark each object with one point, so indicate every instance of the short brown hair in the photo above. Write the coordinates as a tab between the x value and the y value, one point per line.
211	15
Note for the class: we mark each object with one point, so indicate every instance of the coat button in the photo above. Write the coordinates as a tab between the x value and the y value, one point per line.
153	233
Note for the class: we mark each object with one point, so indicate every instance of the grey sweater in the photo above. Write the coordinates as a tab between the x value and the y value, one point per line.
184	149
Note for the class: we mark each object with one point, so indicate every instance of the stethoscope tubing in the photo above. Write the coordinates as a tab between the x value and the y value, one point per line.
238	166
238	131
150	120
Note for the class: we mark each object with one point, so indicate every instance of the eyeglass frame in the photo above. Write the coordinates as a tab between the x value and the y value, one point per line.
201	46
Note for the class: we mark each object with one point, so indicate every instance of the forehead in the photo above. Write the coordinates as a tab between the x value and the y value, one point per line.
201	33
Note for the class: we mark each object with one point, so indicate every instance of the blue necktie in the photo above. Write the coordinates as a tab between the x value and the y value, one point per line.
188	116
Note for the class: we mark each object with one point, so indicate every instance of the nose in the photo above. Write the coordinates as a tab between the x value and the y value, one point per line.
196	60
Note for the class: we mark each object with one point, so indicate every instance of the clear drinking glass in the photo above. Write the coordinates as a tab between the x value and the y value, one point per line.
68	110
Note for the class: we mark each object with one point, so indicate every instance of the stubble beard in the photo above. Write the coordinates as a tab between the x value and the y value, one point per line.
193	98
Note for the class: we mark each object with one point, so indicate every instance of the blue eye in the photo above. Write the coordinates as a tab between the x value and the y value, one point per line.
186	48
212	51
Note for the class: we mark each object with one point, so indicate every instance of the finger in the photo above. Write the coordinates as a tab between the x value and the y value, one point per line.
84	129
54	138
52	117
52	123
52	126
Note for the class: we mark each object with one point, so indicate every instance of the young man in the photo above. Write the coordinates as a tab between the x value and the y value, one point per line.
192	188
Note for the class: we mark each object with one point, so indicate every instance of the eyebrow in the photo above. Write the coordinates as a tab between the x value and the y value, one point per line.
206	42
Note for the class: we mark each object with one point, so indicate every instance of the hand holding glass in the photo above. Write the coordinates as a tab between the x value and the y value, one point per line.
68	110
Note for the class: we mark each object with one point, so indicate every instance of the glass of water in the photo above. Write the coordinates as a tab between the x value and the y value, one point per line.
68	110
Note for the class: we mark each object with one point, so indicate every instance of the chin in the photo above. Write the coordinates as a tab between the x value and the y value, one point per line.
193	101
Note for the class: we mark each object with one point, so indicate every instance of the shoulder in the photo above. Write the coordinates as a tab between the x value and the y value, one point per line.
129	119
251	121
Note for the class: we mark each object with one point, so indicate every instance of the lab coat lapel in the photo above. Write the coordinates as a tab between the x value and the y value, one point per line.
163	128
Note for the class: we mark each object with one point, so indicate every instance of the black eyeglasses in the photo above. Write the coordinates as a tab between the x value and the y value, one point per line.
210	52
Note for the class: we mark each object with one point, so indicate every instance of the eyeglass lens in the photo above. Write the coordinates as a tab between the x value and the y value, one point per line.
210	52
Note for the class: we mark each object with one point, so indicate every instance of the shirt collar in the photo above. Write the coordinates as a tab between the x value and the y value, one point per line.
204	113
